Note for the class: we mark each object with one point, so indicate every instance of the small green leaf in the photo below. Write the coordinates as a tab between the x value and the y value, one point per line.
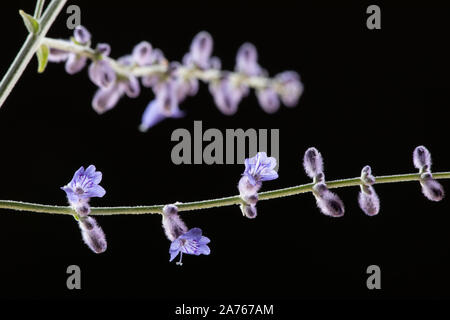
42	55
76	217
31	23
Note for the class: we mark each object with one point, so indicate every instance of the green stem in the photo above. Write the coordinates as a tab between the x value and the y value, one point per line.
28	49
207	75
220	202
38	9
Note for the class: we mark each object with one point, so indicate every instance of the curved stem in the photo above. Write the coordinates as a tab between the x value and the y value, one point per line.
28	49
220	202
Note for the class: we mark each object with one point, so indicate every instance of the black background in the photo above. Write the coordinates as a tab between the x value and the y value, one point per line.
370	98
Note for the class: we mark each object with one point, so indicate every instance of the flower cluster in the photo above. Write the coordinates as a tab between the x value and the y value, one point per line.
173	82
257	169
84	186
432	189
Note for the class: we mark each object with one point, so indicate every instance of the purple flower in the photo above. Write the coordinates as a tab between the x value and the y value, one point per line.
368	200
226	95
191	242
201	49
268	100
172	224
75	63
57	55
247	60
106	98
421	158
313	162
84	185
260	168
82	35
102	74
142	54
165	105
291	87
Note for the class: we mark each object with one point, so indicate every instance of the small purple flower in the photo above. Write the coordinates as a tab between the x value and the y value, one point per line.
268	100
142	54
226	95
368	200
421	158
75	63
57	55
260	168
247	60
291	87
313	162
102	74
172	224
201	49
106	98
165	105
82	35
191	242
84	185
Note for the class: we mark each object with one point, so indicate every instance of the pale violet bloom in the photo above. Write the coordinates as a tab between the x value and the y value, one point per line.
260	168
83	186
165	105
191	242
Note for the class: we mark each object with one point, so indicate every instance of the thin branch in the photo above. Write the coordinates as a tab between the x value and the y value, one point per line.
220	202
28	49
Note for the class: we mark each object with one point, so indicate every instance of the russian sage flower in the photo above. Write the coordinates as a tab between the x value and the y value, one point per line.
291	87
75	62
227	95
191	242
247	60
313	162
84	186
92	234
431	188
368	199
268	99
143	54
201	50
257	169
173	226
165	105
328	202
100	71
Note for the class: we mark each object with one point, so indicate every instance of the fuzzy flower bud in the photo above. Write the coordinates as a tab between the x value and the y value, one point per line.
103	48
75	63
421	158
268	100
247	188
82	35
247	60
431	189
368	200
201	49
313	162
366	176
249	210
142	54
172	224
92	234
102	74
291	87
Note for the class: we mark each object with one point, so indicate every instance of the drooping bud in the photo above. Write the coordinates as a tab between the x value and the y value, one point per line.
313	162
330	204
249	210
102	74
421	158
368	200
201	49
92	234
106	99
132	88
432	189
75	63
268	100
172	224
56	55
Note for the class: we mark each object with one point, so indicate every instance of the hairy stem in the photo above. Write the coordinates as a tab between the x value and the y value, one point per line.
138	71
31	44
220	202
